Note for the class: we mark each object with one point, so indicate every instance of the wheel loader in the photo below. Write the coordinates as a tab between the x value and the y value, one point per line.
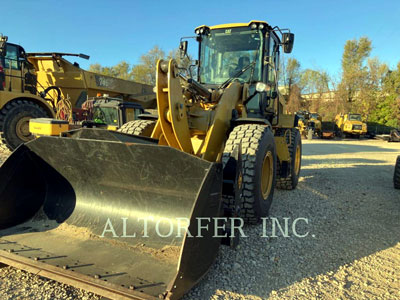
142	215
36	85
310	124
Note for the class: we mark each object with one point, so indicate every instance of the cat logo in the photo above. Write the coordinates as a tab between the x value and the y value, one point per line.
229	31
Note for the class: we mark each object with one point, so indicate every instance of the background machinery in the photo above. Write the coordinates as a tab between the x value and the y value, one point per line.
35	85
219	147
112	112
350	125
309	124
97	112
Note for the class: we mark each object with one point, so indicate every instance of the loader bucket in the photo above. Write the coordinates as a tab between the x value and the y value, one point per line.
75	209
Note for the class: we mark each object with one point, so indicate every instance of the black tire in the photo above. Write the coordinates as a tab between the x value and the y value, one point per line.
256	142
138	127
294	141
396	176
14	122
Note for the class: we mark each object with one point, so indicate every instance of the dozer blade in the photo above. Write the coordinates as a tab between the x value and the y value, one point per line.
73	209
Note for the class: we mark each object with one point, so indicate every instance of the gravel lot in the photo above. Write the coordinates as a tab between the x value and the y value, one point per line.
352	250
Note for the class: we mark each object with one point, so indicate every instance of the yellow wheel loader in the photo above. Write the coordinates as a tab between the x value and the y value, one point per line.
310	124
36	85
142	216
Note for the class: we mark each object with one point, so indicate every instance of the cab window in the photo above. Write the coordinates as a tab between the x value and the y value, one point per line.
272	60
11	57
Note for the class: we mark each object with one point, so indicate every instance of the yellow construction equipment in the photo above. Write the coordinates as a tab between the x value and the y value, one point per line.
310	124
135	216
35	85
98	112
350	125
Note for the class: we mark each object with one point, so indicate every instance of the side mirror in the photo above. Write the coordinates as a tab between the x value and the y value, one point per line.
287	42
84	56
183	48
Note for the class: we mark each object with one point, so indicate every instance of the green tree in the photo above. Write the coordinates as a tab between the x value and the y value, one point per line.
388	110
290	79
145	71
120	70
371	91
123	70
354	69
315	83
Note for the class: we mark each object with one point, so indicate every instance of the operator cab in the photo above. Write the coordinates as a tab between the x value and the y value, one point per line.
354	117
11	55
244	52
112	112
15	68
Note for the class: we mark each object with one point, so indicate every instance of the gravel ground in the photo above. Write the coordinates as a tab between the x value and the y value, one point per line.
352	250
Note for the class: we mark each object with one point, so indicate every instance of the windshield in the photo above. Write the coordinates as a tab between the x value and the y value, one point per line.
314	116
355	117
225	52
105	115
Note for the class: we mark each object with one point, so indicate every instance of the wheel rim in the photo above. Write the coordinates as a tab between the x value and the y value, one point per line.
297	160
267	174
22	129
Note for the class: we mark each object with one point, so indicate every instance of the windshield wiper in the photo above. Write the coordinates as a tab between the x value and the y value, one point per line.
237	74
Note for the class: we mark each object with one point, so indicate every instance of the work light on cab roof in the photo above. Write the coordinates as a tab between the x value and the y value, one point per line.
287	39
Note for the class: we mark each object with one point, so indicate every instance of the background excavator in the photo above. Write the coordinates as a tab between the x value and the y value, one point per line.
219	147
34	85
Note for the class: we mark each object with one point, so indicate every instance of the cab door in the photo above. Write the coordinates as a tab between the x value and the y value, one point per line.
13	68
272	65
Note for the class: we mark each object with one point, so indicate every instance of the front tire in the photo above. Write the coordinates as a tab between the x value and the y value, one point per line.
138	127
14	122
396	176
258	169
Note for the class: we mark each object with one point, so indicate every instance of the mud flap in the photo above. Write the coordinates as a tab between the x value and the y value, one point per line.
118	219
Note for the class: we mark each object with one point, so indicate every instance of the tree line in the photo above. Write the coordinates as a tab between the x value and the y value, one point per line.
365	85
145	70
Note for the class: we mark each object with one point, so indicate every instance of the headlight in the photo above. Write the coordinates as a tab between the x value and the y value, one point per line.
262	87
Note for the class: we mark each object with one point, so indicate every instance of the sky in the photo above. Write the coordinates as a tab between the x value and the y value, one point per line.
113	31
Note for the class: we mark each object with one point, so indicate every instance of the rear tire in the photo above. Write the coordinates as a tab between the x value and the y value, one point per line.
258	169
295	150
138	127
396	176
14	122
